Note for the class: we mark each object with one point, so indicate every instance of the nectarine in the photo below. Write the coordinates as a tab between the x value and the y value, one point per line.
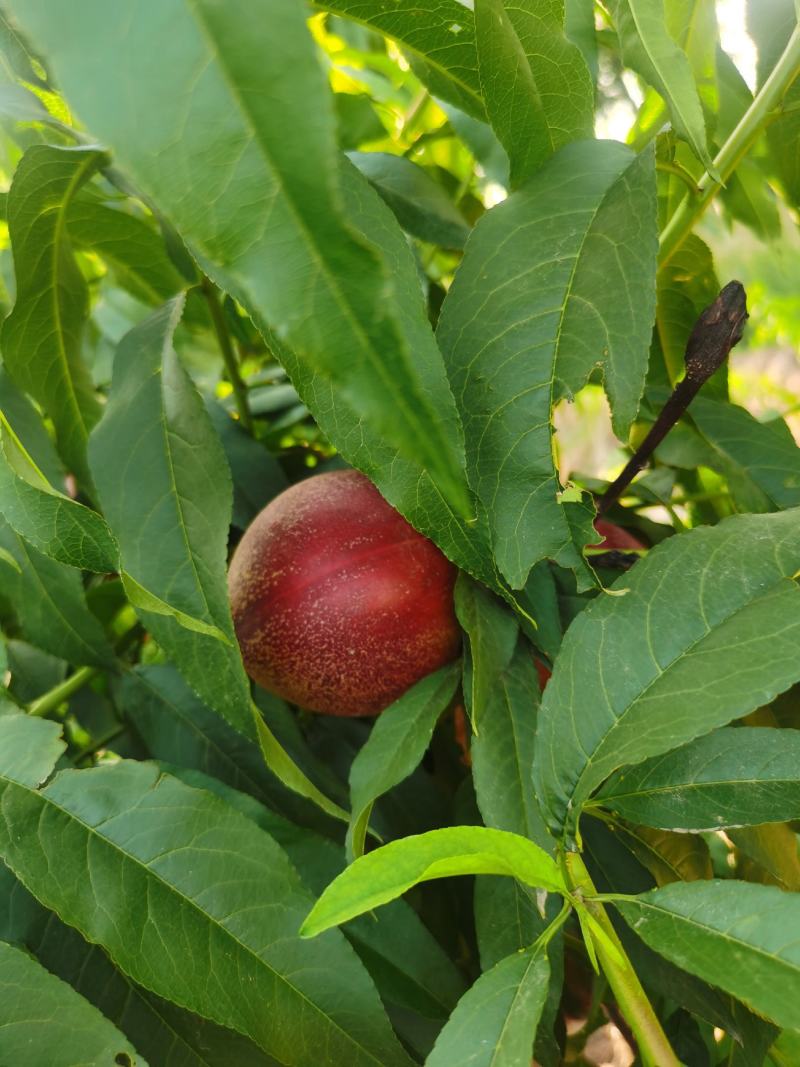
339	605
615	537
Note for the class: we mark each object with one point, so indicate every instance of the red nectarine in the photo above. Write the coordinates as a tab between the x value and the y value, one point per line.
339	605
615	537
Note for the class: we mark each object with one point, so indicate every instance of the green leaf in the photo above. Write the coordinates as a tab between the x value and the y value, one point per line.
705	632
407	964
535	85
27	424
180	729
770	24
502	752
49	601
686	285
669	857
438	34
648	48
281	186
182	877
750	199
388	872
163	1032
130	245
43	1020
41	338
257	475
755	450
59	527
528	316
396	745
494	1023
772	848
147	603
356	120
290	774
492	633
405	484
166	1034
421	205
741	937
165	489
30	750
732	777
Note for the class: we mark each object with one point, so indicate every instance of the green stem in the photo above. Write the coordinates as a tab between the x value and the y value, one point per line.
735	148
211	295
633	1002
55	697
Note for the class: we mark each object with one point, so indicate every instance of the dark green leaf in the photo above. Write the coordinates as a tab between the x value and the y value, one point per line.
705	632
495	1022
49	601
395	747
732	777
166	1034
27	424
165	488
59	527
280	184
502	752
422	206
686	285
180	729
257	475
739	936
528	315
754	450
492	633
43	1020
407	964
42	336
133	248
184	877
535	85
387	873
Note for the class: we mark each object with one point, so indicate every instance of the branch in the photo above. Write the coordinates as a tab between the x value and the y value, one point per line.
715	333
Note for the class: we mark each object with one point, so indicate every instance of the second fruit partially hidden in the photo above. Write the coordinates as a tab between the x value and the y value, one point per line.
339	605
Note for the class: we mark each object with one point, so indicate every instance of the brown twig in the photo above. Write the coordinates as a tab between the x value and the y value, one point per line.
715	333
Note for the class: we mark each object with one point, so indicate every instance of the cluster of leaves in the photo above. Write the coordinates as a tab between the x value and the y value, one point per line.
263	245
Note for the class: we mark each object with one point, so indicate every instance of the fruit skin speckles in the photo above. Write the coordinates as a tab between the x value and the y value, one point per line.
339	605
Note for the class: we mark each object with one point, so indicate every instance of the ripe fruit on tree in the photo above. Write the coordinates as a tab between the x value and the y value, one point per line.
339	605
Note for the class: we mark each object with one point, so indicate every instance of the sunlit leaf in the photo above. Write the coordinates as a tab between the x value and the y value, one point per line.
42	336
388	872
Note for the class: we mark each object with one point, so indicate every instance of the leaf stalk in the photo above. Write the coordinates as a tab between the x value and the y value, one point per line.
50	701
211	296
733	150
634	1004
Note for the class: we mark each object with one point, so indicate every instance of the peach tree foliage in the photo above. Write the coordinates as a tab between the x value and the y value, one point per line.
255	240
